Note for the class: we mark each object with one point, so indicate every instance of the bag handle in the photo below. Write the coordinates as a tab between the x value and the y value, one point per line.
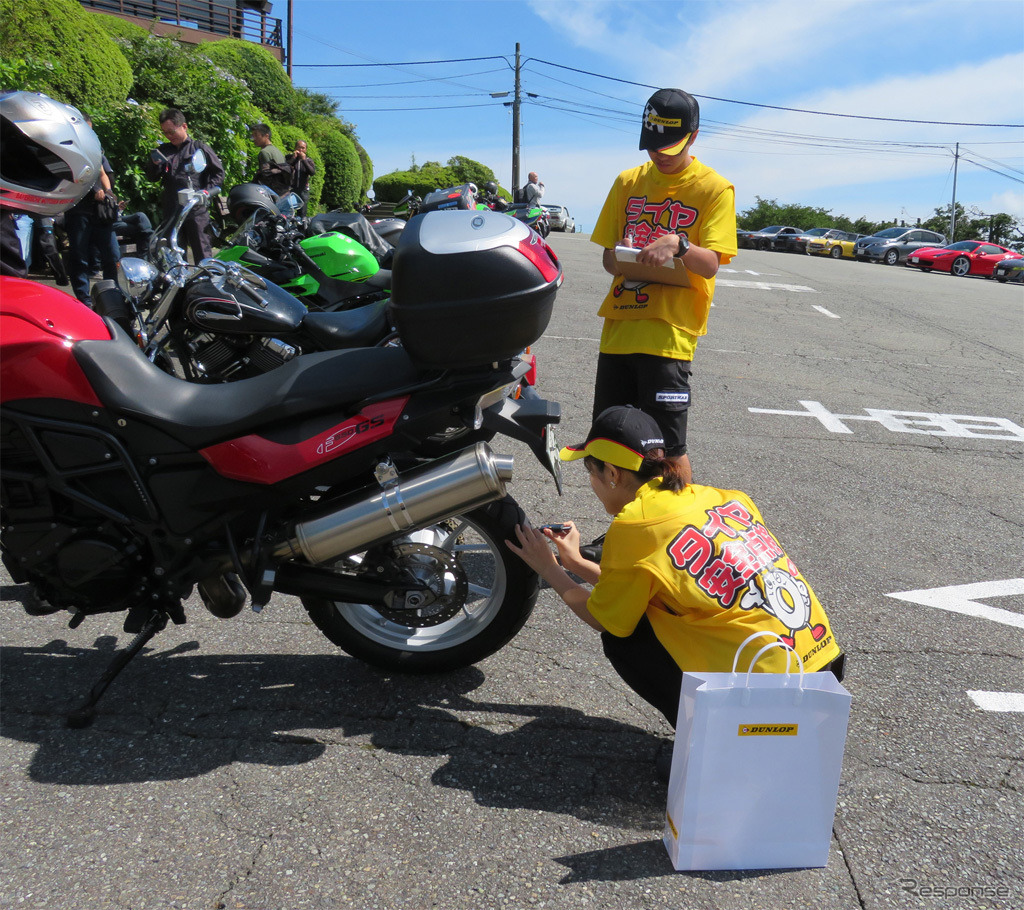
778	644
777	639
798	693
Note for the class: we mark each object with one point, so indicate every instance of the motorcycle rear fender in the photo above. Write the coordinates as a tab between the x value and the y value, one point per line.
529	420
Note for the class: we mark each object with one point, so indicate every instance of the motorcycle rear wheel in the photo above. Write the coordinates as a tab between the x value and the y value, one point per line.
500	591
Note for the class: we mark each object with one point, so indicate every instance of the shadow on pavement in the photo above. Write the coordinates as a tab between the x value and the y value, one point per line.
177	714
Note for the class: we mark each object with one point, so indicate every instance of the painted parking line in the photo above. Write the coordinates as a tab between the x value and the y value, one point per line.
764	286
1000	702
825	312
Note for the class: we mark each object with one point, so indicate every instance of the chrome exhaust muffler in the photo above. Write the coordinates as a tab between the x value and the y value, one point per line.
423	496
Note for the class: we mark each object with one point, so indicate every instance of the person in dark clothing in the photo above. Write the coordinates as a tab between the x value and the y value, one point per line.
168	165
302	169
86	231
12	262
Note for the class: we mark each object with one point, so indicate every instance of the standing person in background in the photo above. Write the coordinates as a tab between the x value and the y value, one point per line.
86	233
671	207
12	259
533	191
302	169
168	164
272	170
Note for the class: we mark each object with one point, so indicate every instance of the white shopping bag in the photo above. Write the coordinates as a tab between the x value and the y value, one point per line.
755	768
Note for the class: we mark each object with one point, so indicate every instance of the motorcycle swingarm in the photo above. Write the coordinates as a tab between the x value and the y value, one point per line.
313	581
530	421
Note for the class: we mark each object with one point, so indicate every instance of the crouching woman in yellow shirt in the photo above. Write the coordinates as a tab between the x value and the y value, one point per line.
687	571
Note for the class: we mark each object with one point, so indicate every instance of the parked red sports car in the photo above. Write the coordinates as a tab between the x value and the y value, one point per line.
967	257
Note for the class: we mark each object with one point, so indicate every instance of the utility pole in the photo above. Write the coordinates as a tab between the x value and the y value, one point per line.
952	208
516	101
290	45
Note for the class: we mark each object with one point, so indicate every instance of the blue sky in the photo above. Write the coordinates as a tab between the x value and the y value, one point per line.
923	60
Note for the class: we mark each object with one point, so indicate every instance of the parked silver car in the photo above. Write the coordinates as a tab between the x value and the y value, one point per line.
560	219
894	244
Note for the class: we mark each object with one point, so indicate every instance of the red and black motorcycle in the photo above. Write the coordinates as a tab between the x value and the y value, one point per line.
360	480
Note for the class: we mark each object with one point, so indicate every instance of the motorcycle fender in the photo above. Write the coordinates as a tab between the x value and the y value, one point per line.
530	420
39	326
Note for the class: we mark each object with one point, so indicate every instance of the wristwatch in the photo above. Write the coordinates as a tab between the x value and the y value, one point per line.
684	245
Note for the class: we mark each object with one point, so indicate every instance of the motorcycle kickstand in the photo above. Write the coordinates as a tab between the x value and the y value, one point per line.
83	715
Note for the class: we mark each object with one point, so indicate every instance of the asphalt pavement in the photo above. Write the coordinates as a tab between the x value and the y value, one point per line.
873	413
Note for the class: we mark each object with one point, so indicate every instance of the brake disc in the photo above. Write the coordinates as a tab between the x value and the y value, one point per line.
445	586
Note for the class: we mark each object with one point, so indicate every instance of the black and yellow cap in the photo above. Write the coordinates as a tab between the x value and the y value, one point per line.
621	435
670	118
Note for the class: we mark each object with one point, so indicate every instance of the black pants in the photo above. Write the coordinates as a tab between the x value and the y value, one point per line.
649	670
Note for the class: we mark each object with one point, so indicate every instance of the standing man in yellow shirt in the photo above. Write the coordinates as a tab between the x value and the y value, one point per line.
671	206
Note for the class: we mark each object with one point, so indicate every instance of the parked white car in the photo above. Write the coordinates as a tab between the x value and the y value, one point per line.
560	219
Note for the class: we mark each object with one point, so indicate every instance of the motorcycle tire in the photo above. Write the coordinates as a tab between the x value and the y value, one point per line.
500	592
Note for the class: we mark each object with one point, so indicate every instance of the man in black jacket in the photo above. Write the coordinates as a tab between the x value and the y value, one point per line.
168	164
302	169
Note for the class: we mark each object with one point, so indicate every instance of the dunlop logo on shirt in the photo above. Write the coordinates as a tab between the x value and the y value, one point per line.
768	730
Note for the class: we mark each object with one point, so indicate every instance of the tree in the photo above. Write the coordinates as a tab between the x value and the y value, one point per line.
85	66
271	89
466	170
768	211
342	170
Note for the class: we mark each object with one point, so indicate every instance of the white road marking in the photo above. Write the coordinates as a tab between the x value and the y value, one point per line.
763	286
821	309
926	423
1006	702
964	599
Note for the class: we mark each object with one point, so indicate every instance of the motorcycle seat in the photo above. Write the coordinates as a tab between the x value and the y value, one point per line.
360	327
200	415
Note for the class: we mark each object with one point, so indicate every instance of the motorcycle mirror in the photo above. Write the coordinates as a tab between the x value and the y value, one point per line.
197	164
135	277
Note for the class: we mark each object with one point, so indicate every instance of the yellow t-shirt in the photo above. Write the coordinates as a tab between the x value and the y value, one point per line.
644	204
707	573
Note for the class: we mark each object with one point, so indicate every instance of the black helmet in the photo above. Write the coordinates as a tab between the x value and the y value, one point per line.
491	188
51	157
247	198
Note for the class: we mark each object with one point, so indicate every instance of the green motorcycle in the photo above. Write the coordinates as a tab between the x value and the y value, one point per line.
320	260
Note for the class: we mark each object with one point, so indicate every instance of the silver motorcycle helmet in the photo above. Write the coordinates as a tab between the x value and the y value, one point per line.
49	155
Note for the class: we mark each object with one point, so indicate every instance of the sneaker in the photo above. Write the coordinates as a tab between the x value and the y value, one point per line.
592	551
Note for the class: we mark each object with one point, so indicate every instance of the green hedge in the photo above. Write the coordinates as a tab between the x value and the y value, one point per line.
89	69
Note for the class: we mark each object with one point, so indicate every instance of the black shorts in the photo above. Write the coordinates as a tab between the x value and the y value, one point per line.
659	386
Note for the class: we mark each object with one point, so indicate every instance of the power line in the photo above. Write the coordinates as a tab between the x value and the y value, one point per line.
775	107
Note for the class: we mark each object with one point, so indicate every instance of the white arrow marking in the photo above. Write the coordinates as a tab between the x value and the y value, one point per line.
1009	702
963	599
821	309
